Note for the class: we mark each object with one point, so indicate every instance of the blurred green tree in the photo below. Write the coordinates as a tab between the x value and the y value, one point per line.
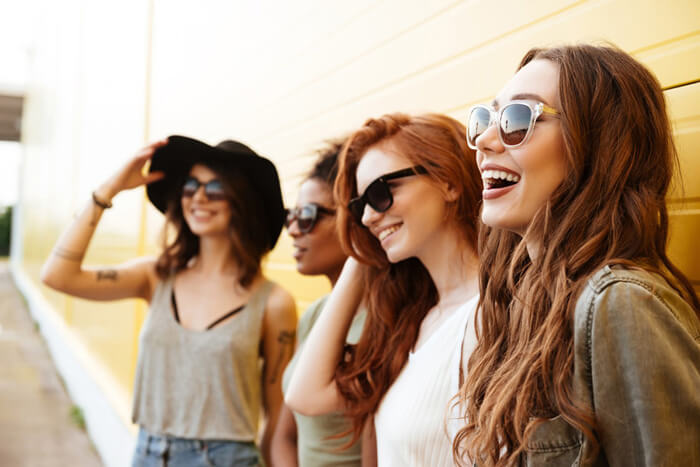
5	228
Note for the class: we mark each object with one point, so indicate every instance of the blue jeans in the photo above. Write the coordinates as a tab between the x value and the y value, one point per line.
154	450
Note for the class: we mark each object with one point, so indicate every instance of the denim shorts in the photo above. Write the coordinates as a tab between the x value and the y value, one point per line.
155	450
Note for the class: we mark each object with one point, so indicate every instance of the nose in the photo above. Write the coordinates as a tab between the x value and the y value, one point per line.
370	216
293	229
489	141
200	194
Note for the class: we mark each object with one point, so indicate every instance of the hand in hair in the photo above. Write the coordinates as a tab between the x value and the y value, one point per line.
131	174
313	390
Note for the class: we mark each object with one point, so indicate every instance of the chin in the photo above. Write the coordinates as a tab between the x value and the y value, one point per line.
203	231
499	222
395	255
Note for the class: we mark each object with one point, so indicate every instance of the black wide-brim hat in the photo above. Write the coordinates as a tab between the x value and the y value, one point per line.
177	157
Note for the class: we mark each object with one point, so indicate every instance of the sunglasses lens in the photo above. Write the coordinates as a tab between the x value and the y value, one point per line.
215	191
379	196
305	224
190	187
306	219
478	123
515	123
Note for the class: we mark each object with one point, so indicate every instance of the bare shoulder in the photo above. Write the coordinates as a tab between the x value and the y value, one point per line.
280	305
144	266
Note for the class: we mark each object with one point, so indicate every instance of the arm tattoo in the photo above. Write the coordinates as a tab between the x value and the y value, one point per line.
107	274
68	255
286	340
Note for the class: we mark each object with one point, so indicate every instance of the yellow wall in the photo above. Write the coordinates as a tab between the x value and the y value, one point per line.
283	78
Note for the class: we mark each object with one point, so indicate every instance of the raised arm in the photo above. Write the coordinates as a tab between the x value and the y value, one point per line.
64	270
313	390
279	330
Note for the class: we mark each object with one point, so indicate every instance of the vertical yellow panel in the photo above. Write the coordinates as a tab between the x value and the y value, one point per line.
139	306
684	107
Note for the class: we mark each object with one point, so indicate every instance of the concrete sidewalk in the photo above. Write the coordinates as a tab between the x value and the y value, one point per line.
36	427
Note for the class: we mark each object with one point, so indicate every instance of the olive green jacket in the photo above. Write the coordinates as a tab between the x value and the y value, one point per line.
637	365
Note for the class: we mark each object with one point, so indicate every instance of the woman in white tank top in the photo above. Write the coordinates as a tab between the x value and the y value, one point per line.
409	193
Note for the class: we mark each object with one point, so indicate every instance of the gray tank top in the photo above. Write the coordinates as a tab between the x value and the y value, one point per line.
200	384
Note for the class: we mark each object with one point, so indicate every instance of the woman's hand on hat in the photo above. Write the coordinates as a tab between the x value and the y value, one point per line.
132	174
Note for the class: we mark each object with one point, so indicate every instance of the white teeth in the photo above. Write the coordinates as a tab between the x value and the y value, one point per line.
386	232
499	174
201	213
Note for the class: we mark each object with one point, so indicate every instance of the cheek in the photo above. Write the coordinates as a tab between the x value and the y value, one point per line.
428	208
324	253
323	239
544	167
479	158
227	214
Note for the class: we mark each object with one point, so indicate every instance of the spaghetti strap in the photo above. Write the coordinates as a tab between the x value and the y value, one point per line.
227	315
172	300
230	313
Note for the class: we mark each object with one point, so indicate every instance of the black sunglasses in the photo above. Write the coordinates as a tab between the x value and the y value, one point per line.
378	193
306	216
214	189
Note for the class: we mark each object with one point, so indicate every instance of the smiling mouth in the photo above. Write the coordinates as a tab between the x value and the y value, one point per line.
200	213
388	231
498	179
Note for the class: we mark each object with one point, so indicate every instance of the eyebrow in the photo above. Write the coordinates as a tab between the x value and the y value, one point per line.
525	96
192	177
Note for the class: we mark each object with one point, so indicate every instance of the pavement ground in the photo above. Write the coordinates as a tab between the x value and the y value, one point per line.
37	418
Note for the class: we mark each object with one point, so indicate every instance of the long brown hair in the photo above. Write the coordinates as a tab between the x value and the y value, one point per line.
247	230
399	295
609	209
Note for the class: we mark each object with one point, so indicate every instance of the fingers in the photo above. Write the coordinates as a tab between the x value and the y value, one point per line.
159	143
153	177
147	151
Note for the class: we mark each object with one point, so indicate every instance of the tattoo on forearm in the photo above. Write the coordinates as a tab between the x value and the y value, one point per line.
286	340
107	274
68	255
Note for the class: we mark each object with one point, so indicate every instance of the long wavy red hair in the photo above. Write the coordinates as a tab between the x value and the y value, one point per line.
400	294
610	209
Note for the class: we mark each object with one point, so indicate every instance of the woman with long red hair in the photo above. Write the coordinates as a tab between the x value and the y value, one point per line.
408	192
587	333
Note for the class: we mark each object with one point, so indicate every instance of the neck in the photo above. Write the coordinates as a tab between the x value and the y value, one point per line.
333	275
454	268
533	250
215	256
533	244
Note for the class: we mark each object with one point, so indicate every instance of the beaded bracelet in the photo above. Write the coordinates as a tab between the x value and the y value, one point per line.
99	202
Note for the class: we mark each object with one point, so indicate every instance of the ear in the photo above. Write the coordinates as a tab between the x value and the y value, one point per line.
451	194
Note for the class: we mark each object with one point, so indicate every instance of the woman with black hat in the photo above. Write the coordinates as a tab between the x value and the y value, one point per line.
199	388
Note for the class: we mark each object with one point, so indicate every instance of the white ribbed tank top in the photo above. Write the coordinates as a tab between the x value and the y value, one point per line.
412	423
